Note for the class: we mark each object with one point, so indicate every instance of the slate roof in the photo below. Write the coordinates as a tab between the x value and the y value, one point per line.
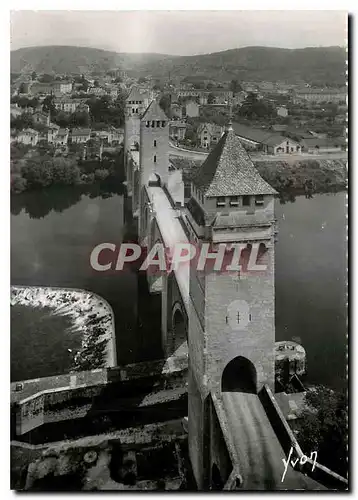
253	134
81	131
275	140
135	95
154	112
229	171
212	128
62	132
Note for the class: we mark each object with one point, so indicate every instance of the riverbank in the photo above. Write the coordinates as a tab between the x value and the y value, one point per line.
90	321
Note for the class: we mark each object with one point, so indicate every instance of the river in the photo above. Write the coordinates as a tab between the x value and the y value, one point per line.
54	231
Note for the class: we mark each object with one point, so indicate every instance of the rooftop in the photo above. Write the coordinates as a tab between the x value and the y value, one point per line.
229	171
135	95
154	112
81	131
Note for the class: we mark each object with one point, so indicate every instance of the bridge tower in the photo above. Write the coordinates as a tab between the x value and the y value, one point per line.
154	140
232	317
135	105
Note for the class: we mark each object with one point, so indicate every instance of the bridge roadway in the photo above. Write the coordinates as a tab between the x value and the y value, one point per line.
259	451
172	233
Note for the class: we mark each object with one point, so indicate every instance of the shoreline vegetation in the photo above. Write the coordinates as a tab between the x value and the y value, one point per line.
89	317
302	177
34	170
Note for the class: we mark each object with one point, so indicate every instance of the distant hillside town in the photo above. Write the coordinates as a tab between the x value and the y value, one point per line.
76	119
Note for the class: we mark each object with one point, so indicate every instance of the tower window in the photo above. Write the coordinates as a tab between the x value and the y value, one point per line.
238	318
220	201
234	201
158	123
246	201
153	123
133	110
163	124
155	144
147	124
259	200
155	158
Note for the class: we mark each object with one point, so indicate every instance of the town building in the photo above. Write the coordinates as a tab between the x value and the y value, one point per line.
209	134
70	105
192	109
80	135
319	95
62	86
61	138
276	144
282	111
177	129
316	145
15	110
52	132
40	88
176	110
29	136
265	141
111	137
41	118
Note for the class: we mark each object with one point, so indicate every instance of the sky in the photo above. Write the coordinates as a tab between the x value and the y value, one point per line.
177	32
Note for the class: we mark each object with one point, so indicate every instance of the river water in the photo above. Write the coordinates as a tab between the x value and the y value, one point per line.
54	231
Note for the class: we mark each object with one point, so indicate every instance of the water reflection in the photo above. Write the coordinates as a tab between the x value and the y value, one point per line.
38	204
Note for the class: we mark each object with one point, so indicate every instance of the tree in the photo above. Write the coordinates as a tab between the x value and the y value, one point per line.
101	174
22	88
62	119
48	105
80	119
96	83
33	75
142	80
65	171
235	86
21	122
46	78
18	183
323	427
164	103
254	108
211	99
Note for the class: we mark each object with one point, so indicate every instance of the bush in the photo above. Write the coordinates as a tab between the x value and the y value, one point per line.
18	183
101	174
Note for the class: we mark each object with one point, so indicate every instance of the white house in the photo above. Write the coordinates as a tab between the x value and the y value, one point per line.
28	136
80	135
282	111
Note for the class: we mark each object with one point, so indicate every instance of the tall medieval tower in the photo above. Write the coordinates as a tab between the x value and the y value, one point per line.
232	317
154	140
136	104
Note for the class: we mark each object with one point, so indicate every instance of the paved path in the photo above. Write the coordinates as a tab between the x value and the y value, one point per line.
259	450
197	155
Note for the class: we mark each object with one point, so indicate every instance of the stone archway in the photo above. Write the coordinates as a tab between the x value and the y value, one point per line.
179	326
239	375
217	484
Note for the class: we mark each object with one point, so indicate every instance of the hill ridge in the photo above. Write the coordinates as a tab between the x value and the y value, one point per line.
247	63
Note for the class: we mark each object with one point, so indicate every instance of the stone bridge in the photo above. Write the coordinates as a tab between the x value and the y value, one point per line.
224	320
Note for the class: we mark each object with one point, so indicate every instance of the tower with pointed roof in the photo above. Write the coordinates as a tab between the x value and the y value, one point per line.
232	320
154	140
135	105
